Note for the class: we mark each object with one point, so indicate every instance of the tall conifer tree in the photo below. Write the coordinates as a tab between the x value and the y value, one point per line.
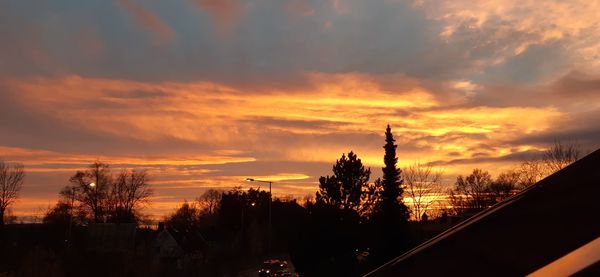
391	205
392	180
390	215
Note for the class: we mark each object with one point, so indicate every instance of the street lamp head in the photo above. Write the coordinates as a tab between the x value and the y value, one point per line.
92	185
249	179
253	204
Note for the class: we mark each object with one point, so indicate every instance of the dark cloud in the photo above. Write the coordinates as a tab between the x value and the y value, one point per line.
374	37
296	125
270	168
136	94
528	67
580	128
514	158
147	19
577	84
24	126
264	45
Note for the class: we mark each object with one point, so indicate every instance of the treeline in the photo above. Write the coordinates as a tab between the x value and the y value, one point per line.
478	190
96	195
352	224
234	226
350	216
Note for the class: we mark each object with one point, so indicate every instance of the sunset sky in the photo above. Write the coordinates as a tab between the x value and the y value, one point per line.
204	93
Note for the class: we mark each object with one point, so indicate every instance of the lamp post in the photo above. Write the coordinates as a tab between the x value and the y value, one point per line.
270	201
71	210
95	200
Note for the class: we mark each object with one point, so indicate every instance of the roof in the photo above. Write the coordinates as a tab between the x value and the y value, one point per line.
517	236
188	240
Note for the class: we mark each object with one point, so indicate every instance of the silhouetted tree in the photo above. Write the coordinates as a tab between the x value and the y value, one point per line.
60	214
390	215
332	231
561	155
531	171
423	186
470	193
238	208
129	191
391	180
555	158
327	241
370	198
186	217
345	187
9	216
390	203
504	186
11	181
209	201
100	197
91	189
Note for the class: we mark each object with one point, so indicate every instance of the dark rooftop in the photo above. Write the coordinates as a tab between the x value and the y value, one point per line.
518	236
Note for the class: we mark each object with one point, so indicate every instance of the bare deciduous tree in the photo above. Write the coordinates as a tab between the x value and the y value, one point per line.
208	202
129	191
96	194
553	159
561	155
531	171
11	181
423	187
92	187
504	186
471	192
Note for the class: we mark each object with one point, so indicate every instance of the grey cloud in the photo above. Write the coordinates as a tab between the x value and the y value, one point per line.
577	84
529	66
307	124
136	94
22	126
266	46
567	92
513	157
581	128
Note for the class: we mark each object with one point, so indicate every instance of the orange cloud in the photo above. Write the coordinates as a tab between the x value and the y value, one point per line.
41	157
314	124
221	116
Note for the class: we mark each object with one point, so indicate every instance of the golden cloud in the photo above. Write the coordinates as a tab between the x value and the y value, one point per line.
235	125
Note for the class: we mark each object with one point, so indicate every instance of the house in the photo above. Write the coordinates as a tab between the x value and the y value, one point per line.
550	229
179	247
111	237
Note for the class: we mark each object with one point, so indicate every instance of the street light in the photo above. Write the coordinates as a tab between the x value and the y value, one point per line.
270	201
95	199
